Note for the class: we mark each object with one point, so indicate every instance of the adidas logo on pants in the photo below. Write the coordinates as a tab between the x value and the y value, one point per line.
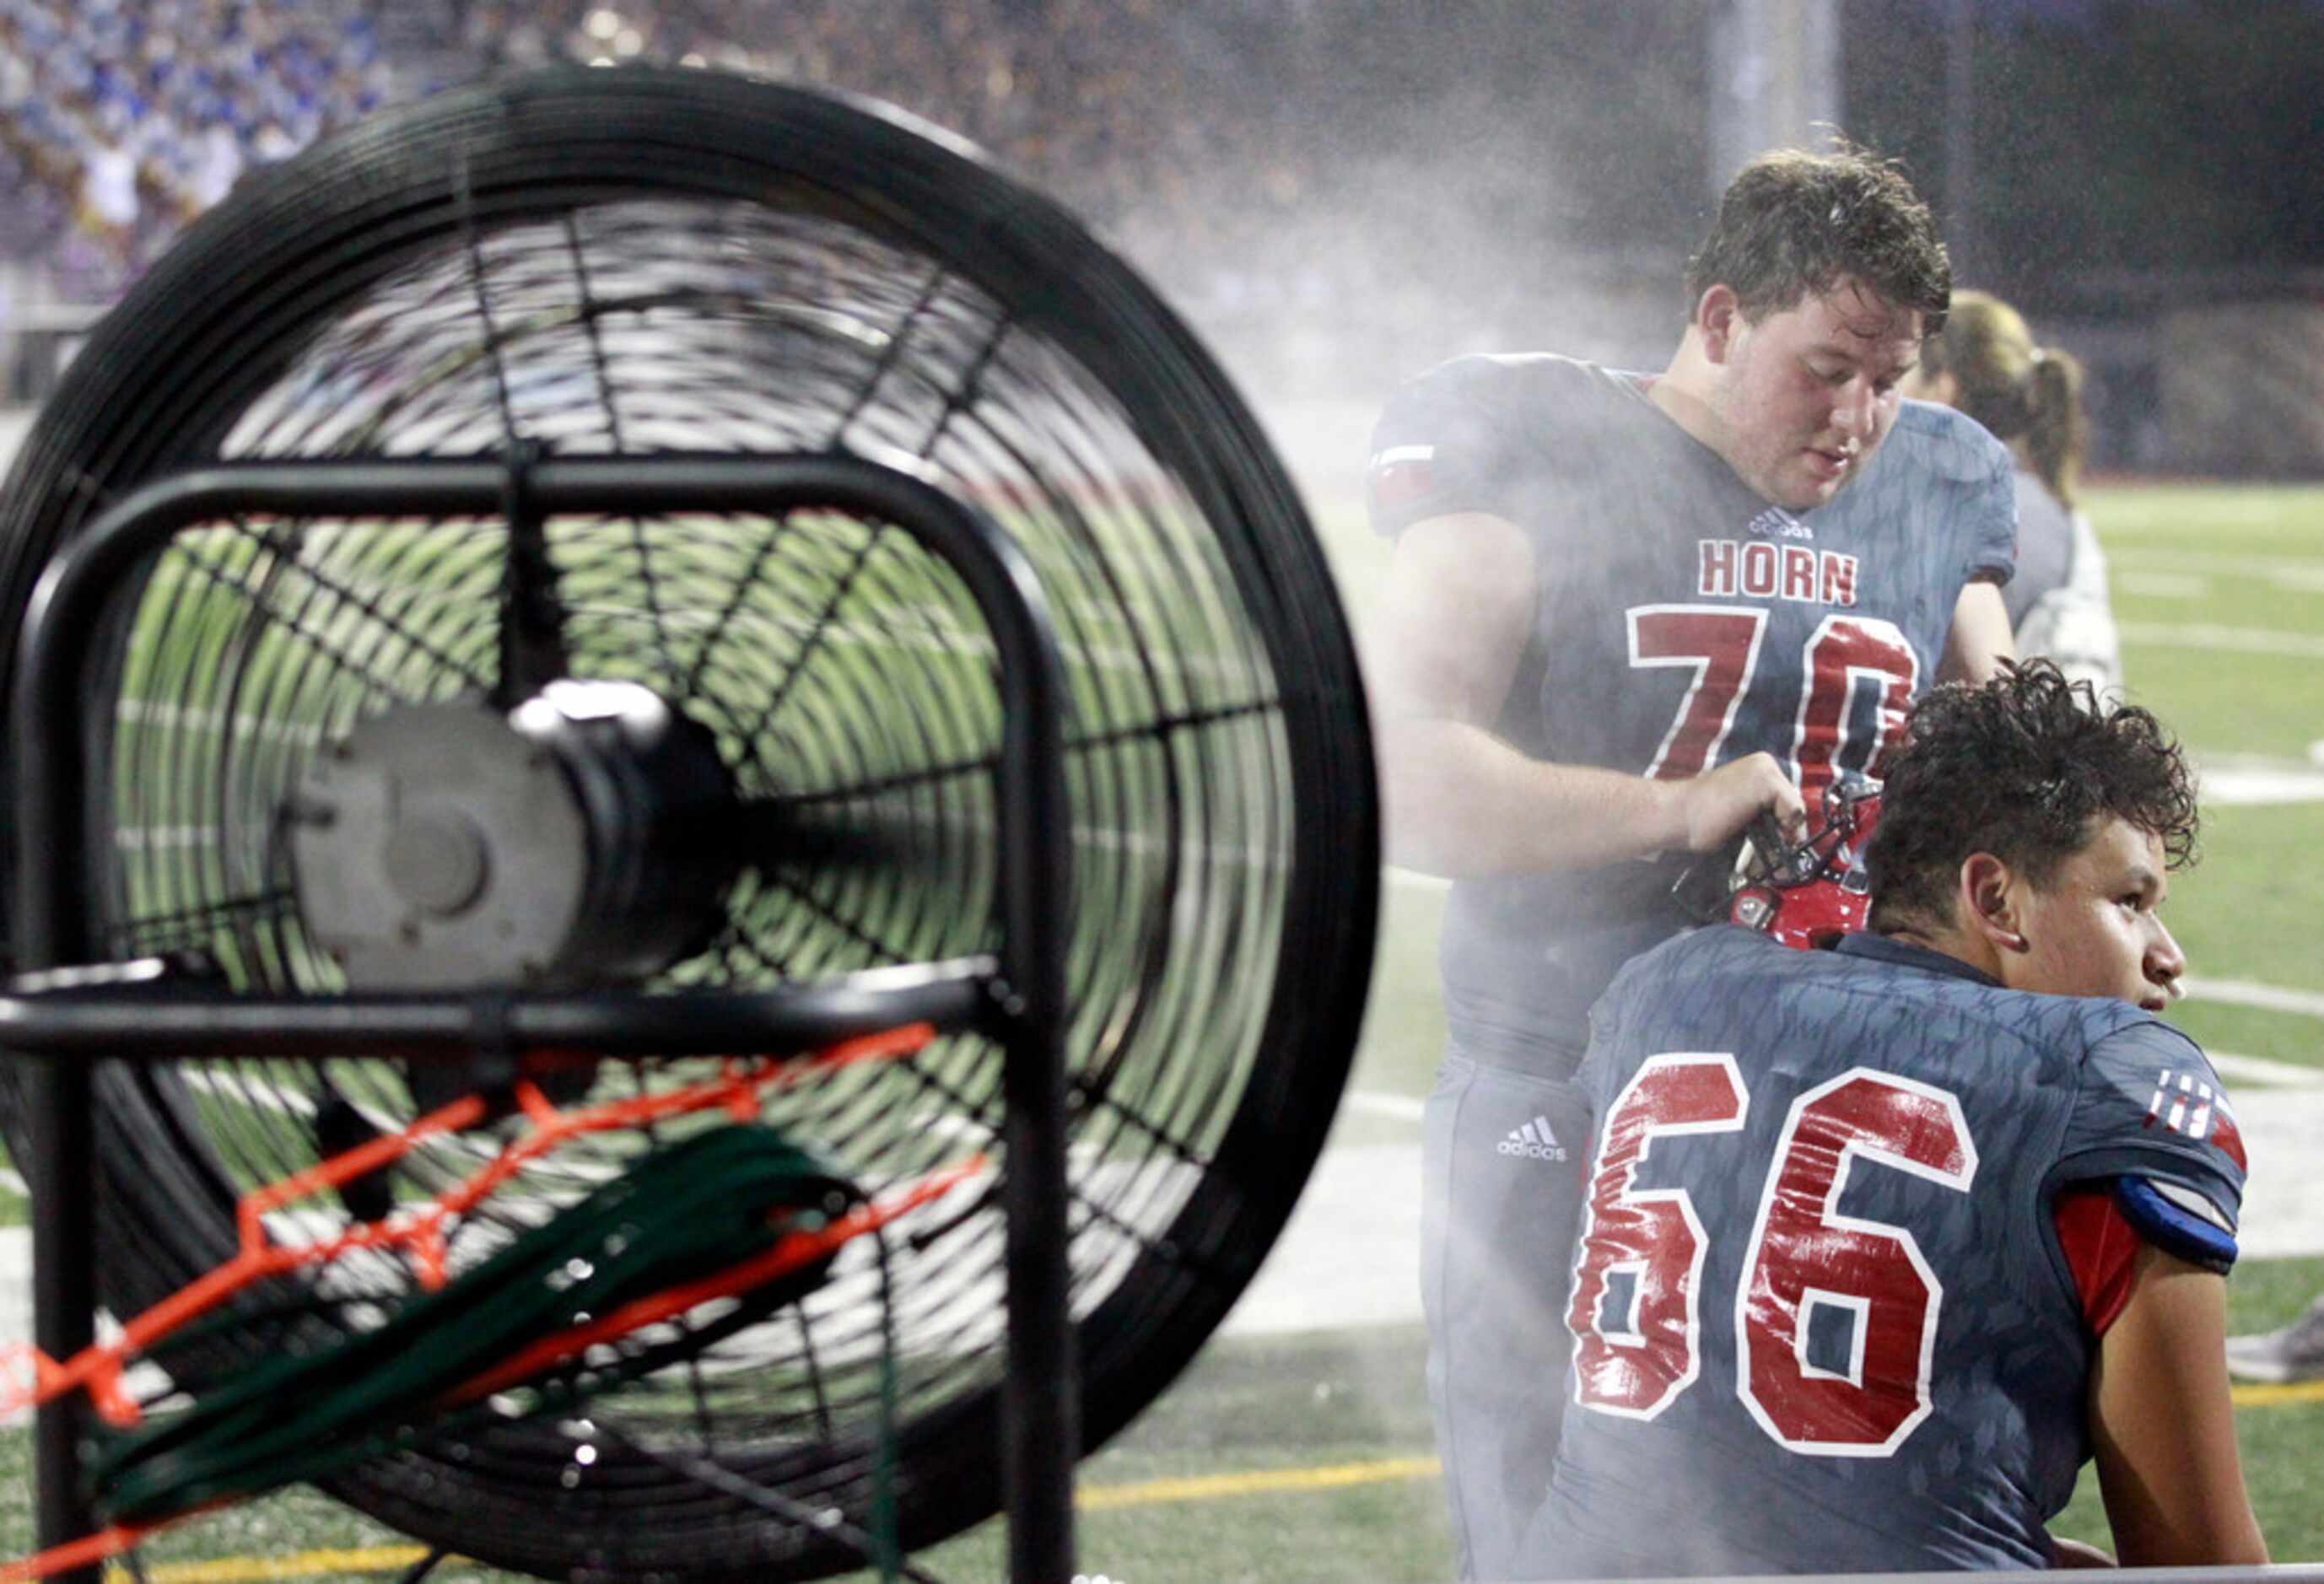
1535	1141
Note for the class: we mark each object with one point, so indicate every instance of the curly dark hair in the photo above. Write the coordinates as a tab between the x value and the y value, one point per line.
2022	767
1793	222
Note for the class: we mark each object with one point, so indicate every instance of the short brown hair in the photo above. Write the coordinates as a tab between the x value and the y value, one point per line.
1792	224
2021	767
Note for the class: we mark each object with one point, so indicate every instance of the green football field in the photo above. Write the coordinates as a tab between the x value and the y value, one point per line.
1304	1454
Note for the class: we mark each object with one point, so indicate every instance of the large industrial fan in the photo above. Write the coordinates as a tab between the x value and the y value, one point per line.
585	503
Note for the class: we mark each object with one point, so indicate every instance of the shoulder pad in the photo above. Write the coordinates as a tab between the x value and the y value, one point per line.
1953	445
2149	1106
1967	481
2181	1103
1464	437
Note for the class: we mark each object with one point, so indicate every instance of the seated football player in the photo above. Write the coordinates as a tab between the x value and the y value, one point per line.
1883	1239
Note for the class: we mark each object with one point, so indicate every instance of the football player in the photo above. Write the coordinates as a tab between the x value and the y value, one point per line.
1883	1239
1625	614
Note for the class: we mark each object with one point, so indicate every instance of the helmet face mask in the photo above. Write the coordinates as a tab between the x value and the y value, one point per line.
1808	893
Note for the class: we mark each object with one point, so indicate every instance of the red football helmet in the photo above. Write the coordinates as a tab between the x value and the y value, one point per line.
1810	893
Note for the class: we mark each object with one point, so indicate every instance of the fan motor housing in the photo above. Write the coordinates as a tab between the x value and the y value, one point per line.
571	841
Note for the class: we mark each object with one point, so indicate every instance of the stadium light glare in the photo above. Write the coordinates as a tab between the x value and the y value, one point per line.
602	24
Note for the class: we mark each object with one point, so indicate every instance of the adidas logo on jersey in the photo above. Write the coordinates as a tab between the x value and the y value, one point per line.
1535	1141
1775	523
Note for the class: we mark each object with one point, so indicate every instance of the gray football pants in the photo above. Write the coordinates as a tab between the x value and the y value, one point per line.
1502	1158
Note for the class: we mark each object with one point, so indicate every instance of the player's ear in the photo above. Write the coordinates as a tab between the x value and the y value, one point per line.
1718	314
1989	902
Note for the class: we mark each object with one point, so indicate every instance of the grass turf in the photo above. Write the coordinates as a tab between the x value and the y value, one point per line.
1309	1457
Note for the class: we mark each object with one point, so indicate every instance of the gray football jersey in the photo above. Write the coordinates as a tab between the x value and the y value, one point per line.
1822	1319
1680	621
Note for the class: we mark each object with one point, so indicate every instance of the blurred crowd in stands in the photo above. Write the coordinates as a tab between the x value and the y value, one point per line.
1250	163
1119	106
121	119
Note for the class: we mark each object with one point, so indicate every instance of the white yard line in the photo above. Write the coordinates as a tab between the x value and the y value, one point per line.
1372	1102
2244	509
2259	790
2249	780
2265	1070
2267	998
2292	572
2162	585
2214	635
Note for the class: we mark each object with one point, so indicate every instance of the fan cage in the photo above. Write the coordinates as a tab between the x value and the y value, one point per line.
613	293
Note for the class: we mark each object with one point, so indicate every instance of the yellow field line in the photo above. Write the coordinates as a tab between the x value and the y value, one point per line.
2269	1396
388	1559
369	1559
1256	1482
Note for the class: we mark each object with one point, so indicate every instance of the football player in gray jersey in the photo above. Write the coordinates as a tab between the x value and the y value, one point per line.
1884	1240
1624	615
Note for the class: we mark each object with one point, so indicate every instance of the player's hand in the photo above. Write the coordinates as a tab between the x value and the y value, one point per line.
1721	802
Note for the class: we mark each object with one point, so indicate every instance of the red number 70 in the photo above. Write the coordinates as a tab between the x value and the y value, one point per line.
1721	644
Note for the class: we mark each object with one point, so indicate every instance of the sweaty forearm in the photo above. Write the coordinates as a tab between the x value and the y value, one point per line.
1462	803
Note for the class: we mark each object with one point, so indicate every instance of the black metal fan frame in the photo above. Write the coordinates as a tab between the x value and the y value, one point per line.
62	1022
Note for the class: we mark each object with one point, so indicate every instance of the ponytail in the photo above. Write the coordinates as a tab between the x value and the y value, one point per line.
2027	395
2058	431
